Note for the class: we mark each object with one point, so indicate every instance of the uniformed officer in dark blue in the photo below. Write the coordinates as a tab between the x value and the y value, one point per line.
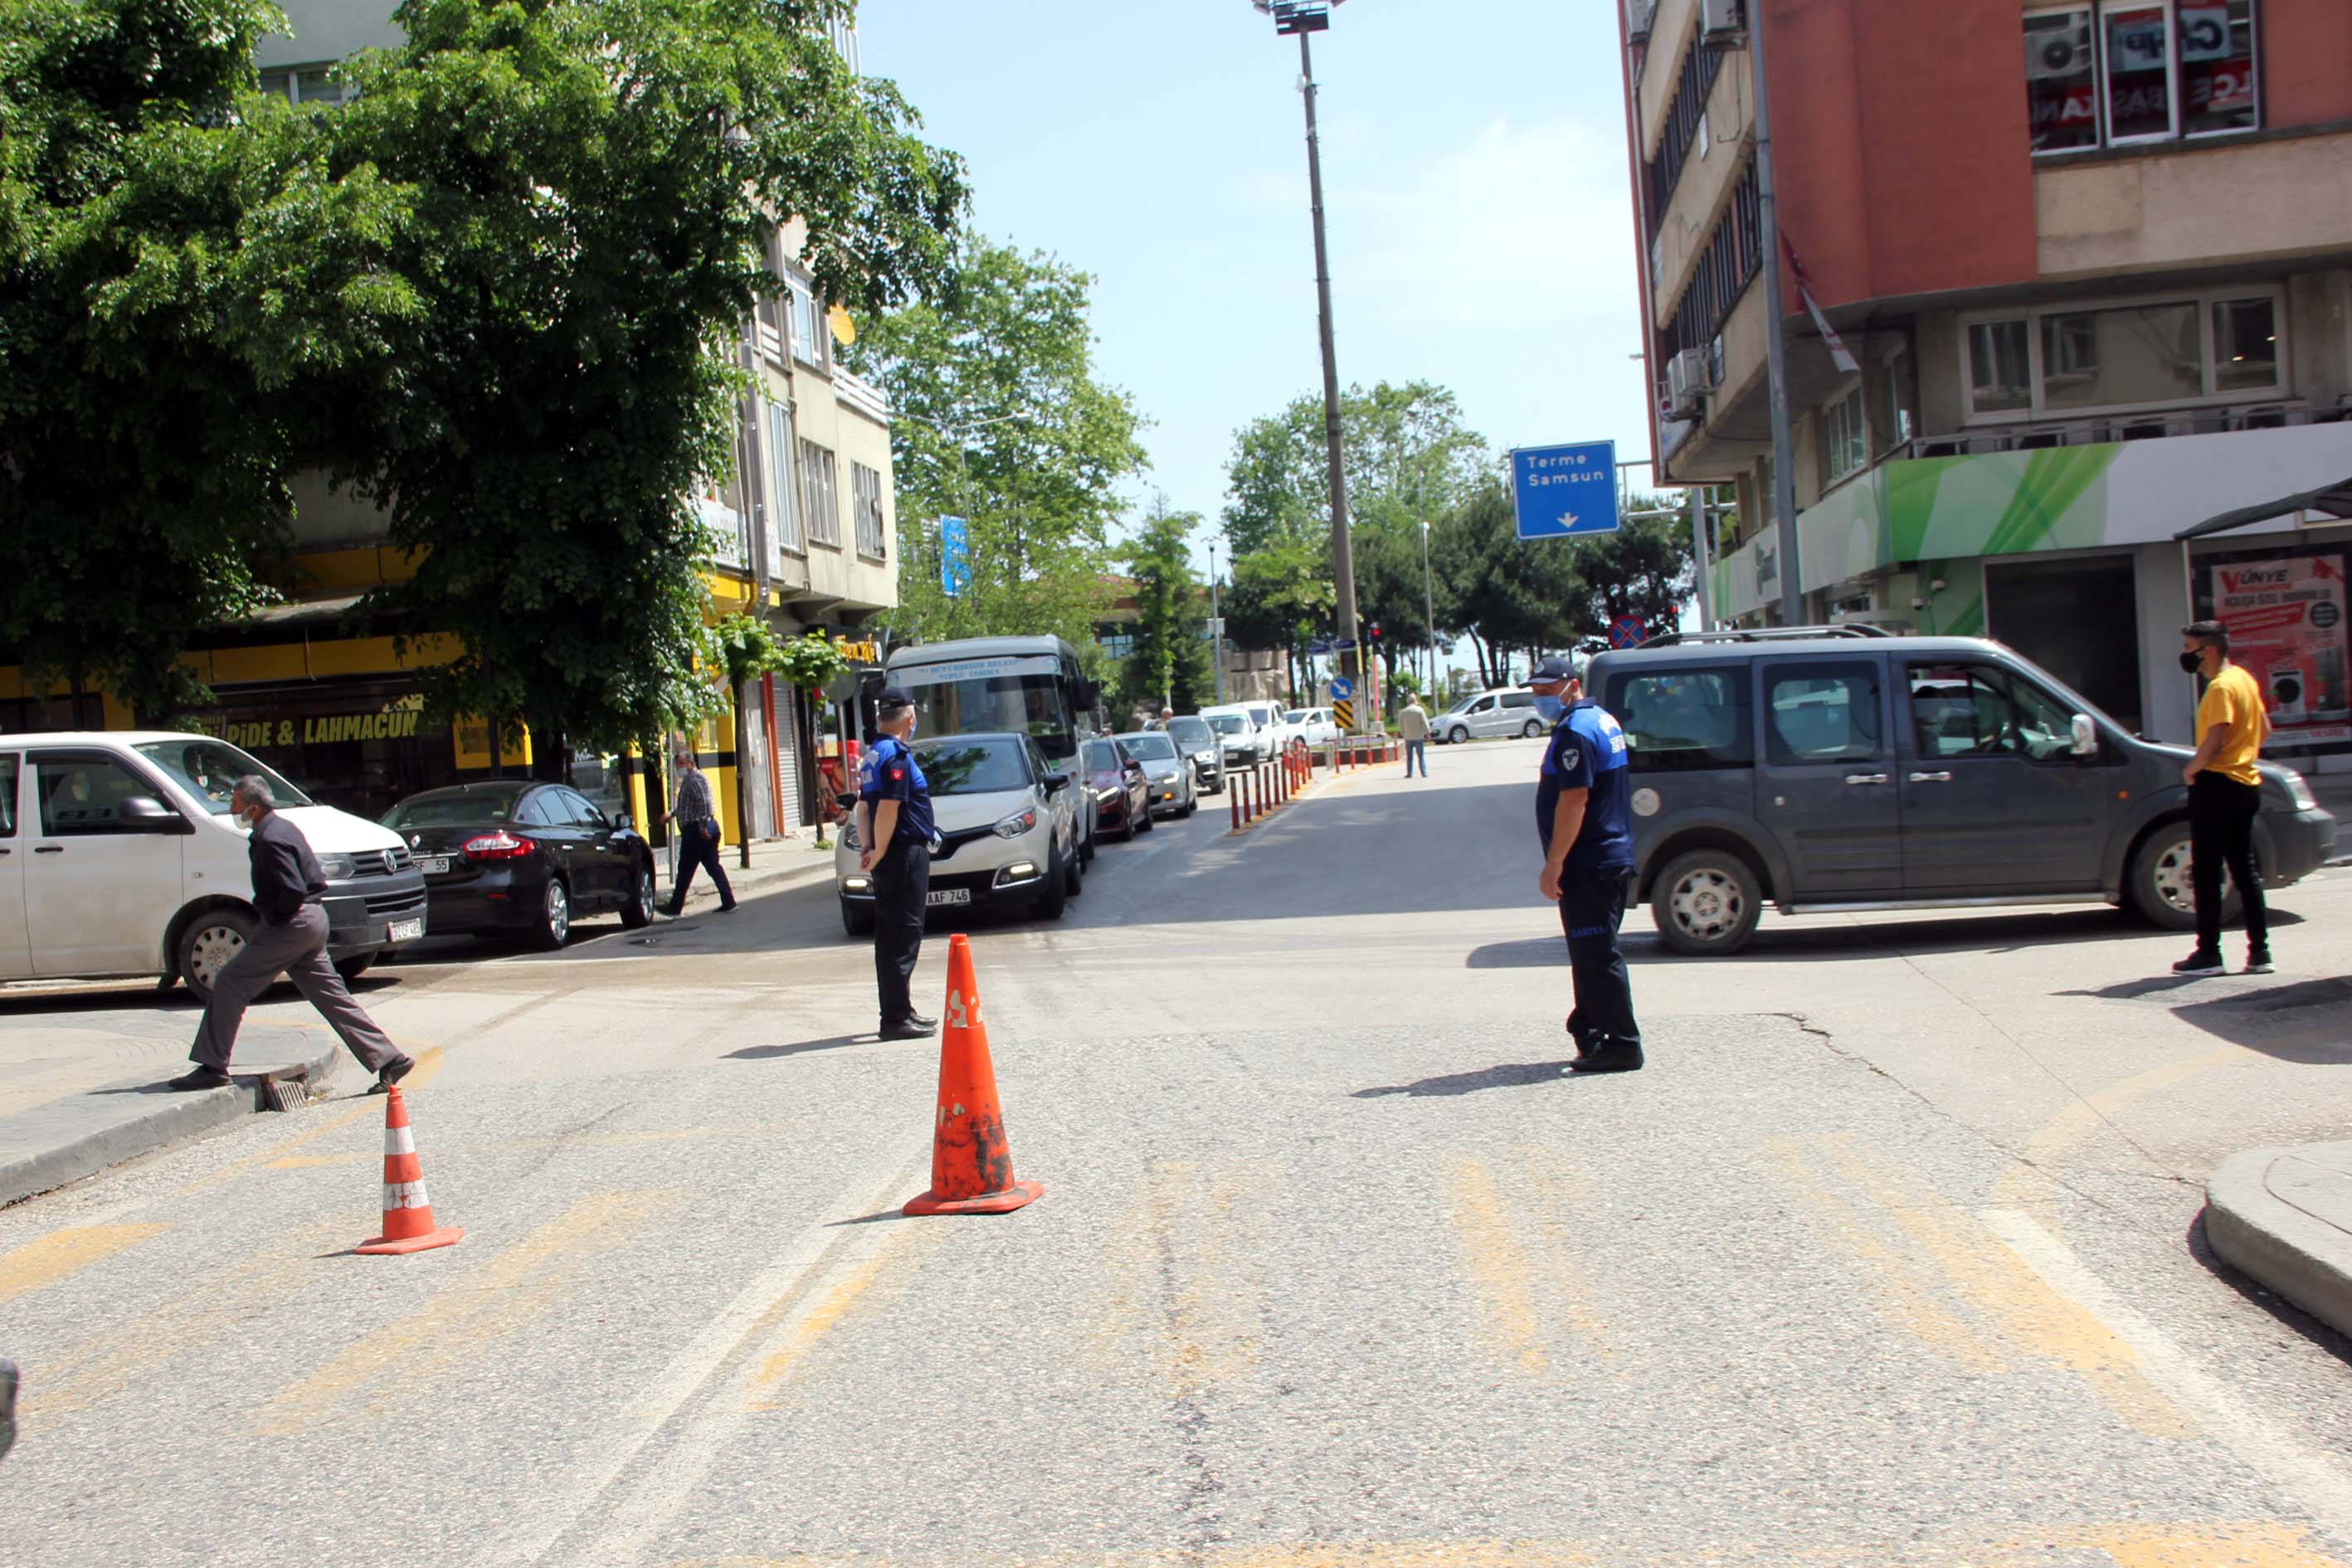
1584	815
895	835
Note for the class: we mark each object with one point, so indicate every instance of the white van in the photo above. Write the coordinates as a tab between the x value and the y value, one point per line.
1505	711
119	857
1251	733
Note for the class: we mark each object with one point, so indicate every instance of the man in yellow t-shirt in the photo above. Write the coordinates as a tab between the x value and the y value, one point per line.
2225	797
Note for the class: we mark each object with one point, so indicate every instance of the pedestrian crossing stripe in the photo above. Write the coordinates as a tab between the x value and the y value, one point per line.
1345	713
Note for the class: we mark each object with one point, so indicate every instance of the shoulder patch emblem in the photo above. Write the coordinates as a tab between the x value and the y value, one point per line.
1570	759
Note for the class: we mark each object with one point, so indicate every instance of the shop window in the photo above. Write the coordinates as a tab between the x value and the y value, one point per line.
2245	345
2134	72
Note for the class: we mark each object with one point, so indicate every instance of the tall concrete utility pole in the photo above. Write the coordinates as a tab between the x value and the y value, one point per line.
1784	467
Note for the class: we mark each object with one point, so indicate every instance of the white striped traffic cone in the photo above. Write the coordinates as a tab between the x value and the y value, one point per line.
407	1211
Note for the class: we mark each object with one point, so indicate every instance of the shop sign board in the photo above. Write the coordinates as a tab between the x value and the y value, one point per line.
2287	628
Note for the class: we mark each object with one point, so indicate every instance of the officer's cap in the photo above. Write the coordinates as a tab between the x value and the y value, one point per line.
1550	669
893	699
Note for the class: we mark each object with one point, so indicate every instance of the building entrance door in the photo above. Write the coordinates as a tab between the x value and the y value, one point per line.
2077	619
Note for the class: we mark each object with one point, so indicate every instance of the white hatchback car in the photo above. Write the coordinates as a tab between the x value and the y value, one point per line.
1507	711
1007	826
1314	725
119	857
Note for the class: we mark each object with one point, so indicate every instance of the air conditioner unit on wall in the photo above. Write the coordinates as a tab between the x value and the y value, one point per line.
1721	21
2056	52
1638	14
1689	377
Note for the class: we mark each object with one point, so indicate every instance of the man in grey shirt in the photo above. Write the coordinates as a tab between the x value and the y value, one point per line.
291	941
697	835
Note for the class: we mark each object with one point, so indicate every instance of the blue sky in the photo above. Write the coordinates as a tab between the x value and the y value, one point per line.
1473	158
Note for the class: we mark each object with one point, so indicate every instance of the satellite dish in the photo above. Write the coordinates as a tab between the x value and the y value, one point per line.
845	331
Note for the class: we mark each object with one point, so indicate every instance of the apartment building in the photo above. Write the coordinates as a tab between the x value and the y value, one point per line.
802	533
2088	265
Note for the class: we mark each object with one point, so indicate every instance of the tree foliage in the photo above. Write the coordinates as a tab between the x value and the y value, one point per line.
1406	451
1001	420
184	281
1171	663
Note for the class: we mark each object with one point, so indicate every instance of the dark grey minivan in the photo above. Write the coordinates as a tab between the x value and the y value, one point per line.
1835	769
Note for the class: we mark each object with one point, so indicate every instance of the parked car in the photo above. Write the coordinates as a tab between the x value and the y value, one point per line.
1251	732
1169	776
1200	744
119	857
1009	831
511	858
1315	726
1827	769
1505	711
1119	788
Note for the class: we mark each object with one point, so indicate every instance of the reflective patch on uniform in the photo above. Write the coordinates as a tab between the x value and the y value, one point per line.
1571	759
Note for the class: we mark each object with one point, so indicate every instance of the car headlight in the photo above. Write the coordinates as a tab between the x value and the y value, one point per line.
336	868
1019	823
849	832
2298	790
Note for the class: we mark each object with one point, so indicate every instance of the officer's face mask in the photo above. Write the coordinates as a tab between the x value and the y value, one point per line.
1552	708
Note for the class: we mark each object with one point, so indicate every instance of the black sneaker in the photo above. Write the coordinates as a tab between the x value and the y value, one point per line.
909	1029
392	1073
1609	1058
7	1405
200	1076
2258	962
2202	961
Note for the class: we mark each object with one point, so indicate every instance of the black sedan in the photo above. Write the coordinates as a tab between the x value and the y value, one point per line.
508	856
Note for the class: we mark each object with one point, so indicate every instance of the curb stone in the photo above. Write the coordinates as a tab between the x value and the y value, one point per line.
2304	1258
81	1149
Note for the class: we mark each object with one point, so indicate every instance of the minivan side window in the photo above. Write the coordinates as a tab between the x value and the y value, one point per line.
1976	710
1822	712
8	797
1518	699
84	795
1682	719
1483	705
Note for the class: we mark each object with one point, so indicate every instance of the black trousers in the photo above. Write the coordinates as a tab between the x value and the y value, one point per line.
902	890
2222	813
1591	907
695	848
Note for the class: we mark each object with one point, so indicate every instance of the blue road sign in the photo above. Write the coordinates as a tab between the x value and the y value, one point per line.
1318	645
1627	631
1341	645
955	556
1565	492
1343	689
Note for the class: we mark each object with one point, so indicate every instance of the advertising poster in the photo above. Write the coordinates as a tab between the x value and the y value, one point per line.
2287	628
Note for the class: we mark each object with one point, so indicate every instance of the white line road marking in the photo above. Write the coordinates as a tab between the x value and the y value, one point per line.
2317	1484
692	1371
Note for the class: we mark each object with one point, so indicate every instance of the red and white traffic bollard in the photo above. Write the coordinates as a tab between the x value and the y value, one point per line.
1234	801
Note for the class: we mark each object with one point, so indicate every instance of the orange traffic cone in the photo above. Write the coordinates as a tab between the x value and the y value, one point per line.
408	1213
971	1163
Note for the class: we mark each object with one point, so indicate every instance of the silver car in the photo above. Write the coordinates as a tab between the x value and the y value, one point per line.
1199	741
1007	825
1168	771
1506	711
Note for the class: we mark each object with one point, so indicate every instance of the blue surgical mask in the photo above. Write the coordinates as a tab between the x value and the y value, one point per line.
1552	708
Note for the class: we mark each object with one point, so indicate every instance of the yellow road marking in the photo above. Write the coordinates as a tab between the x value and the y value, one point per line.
514	1287
1496	1265
129	1352
1188	1276
905	1243
2240	1546
2025	1183
1908	1295
52	1257
514	1145
428	1066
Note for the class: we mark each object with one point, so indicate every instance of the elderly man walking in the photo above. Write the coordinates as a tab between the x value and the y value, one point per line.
291	941
1413	725
697	836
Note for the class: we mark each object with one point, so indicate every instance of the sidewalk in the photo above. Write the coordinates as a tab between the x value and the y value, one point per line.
776	864
2285	1217
2334	791
82	1091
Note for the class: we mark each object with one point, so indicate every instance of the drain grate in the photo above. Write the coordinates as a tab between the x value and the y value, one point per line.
291	1093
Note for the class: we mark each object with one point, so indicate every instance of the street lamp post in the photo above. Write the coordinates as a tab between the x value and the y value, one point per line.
1216	626
1306	18
1784	465
1429	604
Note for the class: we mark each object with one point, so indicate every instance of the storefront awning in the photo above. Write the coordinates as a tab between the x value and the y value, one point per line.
2329	500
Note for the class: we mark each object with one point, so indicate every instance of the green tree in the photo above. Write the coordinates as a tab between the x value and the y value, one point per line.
1509	596
1407	453
1001	420
1645	569
595	188
1281	597
182	283
1171	663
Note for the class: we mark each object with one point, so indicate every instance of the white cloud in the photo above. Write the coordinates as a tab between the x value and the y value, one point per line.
1521	226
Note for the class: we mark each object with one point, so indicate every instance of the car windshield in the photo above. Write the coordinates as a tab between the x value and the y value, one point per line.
1037	705
1190	731
1155	747
208	770
973	767
476	806
1229	723
1102	757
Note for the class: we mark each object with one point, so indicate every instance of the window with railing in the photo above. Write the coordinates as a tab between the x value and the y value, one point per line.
1685	116
820	501
1730	262
866	504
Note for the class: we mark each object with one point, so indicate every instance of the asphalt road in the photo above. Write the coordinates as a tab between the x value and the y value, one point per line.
1890	1257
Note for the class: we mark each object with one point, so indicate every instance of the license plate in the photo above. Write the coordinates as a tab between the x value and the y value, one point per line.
405	931
433	865
951	896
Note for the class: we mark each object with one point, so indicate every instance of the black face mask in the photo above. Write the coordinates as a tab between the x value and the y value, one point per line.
2190	663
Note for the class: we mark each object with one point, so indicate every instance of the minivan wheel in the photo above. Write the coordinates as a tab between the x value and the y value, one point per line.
1457	735
1707	902
1531	730
2160	887
211	940
553	928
